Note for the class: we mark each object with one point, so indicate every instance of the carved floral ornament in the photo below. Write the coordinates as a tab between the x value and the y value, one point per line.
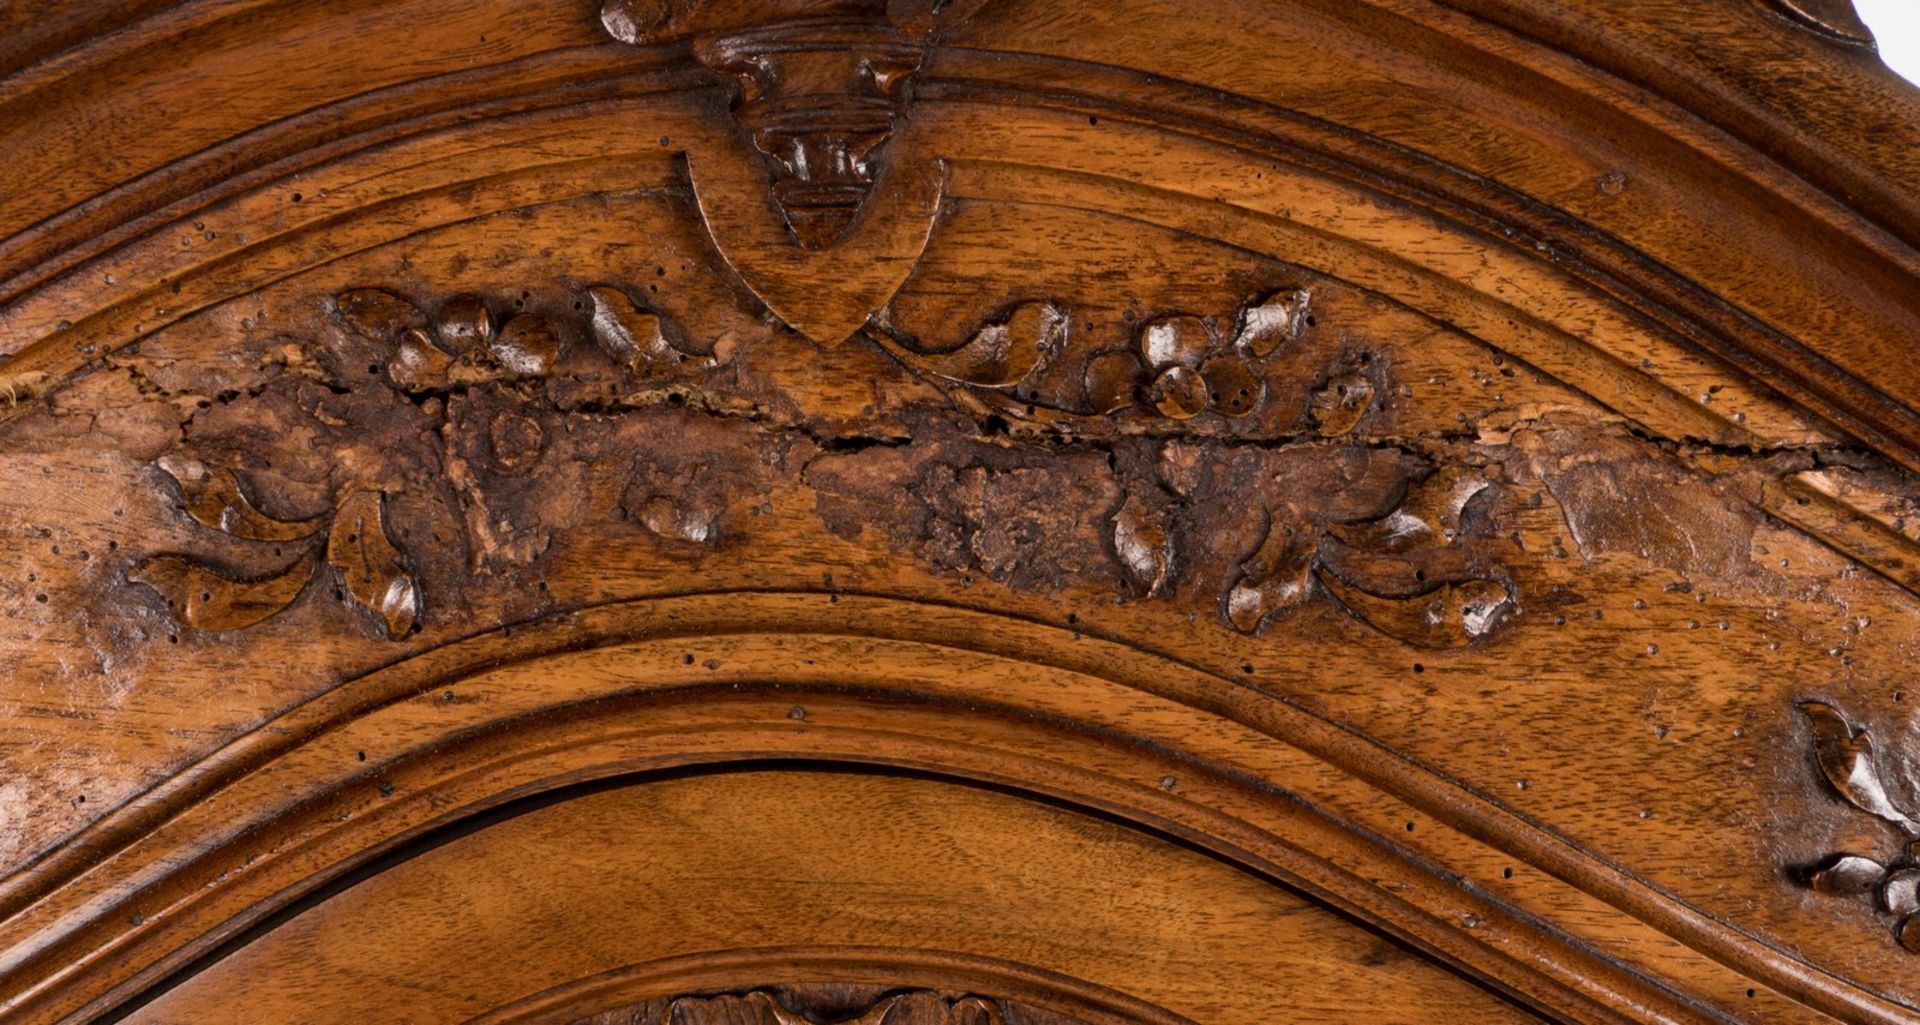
1400	542
914	1007
1848	759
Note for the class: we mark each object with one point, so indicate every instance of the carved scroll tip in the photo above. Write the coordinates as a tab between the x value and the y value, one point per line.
1846	756
1835	19
199	596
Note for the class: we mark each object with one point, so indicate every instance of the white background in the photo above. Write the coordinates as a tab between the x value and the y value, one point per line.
1896	24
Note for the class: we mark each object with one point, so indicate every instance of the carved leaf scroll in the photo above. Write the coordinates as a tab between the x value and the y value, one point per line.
207	599
213	497
1387	540
204	597
460	343
369	564
1449	616
1278	575
463	345
1396	571
641	340
1178	367
1003	351
1847	759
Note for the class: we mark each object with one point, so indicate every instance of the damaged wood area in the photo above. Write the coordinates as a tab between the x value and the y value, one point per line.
405	464
416	460
1286	480
957	512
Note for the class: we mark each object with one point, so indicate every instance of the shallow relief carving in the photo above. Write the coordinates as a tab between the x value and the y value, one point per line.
820	87
483	426
425	433
811	199
1856	771
820	1004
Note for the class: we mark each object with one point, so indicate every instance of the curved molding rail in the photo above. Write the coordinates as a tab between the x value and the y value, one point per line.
492	718
1686	312
1511	226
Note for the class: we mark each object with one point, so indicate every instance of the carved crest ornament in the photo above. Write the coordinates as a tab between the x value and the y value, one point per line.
821	220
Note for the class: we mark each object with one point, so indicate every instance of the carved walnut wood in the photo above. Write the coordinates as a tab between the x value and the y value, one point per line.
790	512
817	1005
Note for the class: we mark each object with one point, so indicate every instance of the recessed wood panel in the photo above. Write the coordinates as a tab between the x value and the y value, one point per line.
802	864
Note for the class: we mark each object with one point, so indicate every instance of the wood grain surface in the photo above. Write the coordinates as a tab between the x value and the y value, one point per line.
789	512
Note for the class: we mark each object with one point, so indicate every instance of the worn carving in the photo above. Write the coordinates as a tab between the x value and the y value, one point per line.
466	344
351	541
1250	531
466	371
1166	507
1396	570
820	91
824	1004
1848	760
1026	363
762	1008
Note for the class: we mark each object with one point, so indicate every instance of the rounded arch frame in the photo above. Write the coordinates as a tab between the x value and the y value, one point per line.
743	677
